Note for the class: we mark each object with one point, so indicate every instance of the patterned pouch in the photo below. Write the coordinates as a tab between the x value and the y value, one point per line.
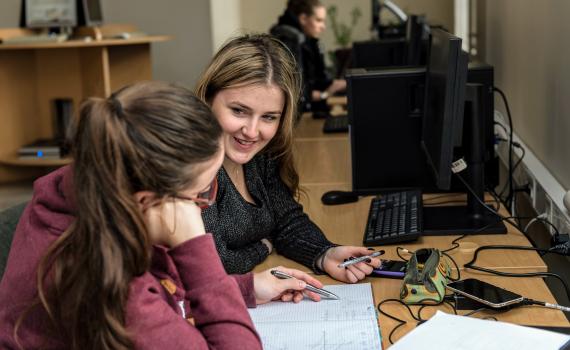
427	274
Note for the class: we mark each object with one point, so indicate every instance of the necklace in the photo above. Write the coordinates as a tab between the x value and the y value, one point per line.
237	177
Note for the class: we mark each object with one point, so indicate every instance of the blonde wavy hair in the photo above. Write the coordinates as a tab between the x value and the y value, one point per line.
260	59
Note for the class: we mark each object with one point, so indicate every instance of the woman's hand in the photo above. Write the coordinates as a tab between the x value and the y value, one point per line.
352	273
268	287
173	222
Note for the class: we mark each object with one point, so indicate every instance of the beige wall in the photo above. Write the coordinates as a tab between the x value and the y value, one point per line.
260	15
527	42
180	60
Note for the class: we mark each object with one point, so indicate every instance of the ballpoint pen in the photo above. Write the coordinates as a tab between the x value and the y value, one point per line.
282	275
360	259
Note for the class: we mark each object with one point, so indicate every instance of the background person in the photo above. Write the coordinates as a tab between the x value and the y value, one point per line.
300	28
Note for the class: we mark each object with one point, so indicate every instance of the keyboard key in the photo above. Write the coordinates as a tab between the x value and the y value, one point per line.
394	217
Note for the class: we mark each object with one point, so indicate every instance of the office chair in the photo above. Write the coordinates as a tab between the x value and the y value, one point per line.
8	220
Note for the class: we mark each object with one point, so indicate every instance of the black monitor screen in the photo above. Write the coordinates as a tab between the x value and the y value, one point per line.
90	13
442	114
94	13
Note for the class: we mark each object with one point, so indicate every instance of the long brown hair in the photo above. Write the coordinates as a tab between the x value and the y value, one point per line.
260	59
147	136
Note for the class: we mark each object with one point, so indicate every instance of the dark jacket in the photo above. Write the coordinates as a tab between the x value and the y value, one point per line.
187	280
308	55
239	226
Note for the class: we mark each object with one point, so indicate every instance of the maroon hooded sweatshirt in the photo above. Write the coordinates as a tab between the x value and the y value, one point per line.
186	282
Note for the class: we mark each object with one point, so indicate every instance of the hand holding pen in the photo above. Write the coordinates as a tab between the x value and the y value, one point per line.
355	271
268	287
366	258
323	292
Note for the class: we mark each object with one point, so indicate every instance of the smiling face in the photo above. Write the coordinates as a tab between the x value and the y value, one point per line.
249	116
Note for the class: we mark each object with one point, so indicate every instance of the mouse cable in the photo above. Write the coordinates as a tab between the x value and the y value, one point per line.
471	264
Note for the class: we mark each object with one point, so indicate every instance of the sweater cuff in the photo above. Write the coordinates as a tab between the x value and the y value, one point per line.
246	287
319	261
198	261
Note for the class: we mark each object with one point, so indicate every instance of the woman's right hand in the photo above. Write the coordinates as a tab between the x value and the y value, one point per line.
174	222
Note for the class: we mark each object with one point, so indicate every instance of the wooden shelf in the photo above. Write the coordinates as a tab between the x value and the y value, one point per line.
86	43
47	162
34	75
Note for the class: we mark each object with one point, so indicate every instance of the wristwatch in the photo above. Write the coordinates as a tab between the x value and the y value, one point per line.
324	95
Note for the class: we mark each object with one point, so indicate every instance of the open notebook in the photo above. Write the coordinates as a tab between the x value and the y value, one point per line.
348	323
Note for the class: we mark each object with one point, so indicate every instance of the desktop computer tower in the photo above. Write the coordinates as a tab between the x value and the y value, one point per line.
385	108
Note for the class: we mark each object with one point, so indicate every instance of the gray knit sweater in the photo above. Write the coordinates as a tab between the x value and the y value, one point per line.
238	226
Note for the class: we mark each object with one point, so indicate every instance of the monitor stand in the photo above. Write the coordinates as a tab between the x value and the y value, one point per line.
473	218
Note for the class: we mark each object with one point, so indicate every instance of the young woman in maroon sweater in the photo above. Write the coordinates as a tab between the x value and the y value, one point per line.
112	253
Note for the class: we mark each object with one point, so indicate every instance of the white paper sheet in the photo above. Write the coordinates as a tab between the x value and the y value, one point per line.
444	331
348	323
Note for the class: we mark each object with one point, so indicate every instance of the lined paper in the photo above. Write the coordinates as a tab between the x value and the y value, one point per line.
348	323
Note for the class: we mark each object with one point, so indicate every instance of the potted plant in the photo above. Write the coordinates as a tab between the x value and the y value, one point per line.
343	38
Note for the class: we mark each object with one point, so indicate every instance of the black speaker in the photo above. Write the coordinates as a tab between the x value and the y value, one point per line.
63	112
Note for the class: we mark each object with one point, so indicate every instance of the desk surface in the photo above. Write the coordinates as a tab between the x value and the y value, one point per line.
323	162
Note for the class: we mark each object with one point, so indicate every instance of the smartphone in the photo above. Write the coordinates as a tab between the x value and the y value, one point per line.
485	293
390	269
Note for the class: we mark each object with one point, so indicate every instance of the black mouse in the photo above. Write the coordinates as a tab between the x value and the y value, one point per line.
338	197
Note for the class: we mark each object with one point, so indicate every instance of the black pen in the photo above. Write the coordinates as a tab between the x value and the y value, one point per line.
282	275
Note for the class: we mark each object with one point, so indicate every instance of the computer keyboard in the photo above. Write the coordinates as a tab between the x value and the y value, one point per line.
336	124
394	217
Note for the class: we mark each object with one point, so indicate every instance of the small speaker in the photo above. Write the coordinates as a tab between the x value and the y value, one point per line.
63	112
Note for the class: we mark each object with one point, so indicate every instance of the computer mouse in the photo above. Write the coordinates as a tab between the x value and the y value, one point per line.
320	114
338	197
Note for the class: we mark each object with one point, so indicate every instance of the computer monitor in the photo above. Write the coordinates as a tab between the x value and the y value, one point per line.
417	38
392	30
453	117
409	50
48	14
89	13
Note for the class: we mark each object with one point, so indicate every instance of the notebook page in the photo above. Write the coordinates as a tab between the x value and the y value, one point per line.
348	323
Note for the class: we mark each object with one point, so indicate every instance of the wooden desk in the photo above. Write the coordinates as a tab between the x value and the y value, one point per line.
535	288
344	224
33	75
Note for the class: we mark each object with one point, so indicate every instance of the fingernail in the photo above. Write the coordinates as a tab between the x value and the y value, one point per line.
345	260
302	284
370	248
368	260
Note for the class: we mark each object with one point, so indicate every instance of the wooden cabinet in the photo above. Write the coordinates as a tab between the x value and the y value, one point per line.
33	75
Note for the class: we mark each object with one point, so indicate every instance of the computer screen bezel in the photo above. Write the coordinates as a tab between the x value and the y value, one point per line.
441	122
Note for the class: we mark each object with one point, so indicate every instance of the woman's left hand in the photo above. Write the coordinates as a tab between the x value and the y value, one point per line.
352	273
268	287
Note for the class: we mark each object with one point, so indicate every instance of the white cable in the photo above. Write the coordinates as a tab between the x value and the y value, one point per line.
542	216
